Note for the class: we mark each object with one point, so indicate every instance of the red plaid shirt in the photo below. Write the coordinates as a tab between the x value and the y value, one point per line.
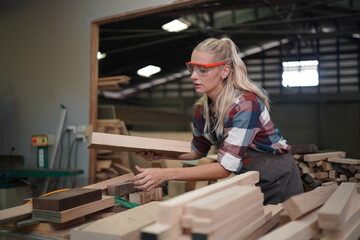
247	124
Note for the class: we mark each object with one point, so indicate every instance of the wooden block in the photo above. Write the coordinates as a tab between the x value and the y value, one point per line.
326	166
357	176
301	204
332	213
176	188
145	197
67	199
103	185
325	184
352	179
332	174
284	218
303	228
120	189
125	225
304	148
323	156
343	178
321	175
171	148
101	164
216	205
304	167
73	213
16	213
344	160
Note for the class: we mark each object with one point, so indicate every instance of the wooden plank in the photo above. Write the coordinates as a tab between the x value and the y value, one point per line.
236	230
171	148
120	189
103	185
73	213
121	78
253	211
222	203
344	160
323	156
66	199
16	213
172	209
304	228
332	213
350	223
300	204
125	225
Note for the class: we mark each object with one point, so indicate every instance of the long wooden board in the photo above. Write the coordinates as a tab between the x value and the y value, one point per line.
303	228
333	212
104	184
15	213
67	199
73	213
171	148
344	160
121	226
300	204
314	157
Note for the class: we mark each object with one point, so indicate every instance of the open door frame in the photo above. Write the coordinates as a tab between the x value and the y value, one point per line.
94	69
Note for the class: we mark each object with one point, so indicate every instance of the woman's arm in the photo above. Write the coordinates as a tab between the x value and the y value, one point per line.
149	178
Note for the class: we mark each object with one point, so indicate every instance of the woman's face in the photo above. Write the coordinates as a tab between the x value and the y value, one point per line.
207	80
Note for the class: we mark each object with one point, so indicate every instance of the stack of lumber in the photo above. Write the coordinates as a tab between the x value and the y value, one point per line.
55	214
112	83
218	211
329	212
111	163
317	168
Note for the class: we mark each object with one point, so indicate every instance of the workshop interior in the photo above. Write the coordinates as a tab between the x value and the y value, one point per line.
86	85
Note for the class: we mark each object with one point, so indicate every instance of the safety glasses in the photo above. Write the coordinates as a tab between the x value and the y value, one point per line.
202	69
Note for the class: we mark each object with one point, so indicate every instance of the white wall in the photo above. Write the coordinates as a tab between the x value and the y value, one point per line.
45	62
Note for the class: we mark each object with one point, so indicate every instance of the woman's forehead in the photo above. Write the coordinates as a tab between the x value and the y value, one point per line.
203	57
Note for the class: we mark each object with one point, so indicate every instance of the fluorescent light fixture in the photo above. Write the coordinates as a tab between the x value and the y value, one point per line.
100	55
148	70
356	35
176	25
300	73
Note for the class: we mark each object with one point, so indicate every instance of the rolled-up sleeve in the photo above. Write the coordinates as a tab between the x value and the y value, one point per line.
241	127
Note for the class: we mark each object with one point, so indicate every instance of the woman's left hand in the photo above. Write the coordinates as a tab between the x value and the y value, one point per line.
148	178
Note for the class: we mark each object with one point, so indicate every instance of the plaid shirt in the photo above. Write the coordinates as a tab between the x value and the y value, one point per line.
247	124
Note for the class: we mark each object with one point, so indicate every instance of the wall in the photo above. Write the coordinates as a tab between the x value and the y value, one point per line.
45	62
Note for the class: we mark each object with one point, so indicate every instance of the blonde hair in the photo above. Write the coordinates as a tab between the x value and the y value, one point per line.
224	50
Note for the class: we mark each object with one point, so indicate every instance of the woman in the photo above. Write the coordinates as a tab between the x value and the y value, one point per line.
233	115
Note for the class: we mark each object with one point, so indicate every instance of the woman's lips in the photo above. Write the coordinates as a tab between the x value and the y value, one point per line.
196	85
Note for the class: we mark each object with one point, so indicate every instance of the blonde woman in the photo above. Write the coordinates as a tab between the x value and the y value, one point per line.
233	115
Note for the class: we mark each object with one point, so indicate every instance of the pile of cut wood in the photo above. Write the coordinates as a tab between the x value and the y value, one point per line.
329	212
229	209
321	168
112	83
56	214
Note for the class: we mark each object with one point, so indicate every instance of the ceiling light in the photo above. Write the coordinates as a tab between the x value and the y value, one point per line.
100	55
176	25
356	35
148	70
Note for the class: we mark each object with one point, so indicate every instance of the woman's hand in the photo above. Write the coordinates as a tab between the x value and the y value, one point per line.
149	156
148	178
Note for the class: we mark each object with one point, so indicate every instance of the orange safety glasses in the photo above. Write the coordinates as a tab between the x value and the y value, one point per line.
202	69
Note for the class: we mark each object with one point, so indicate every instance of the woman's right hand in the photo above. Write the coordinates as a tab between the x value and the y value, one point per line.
149	156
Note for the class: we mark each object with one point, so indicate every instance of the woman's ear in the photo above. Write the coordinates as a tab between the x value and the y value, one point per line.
226	72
